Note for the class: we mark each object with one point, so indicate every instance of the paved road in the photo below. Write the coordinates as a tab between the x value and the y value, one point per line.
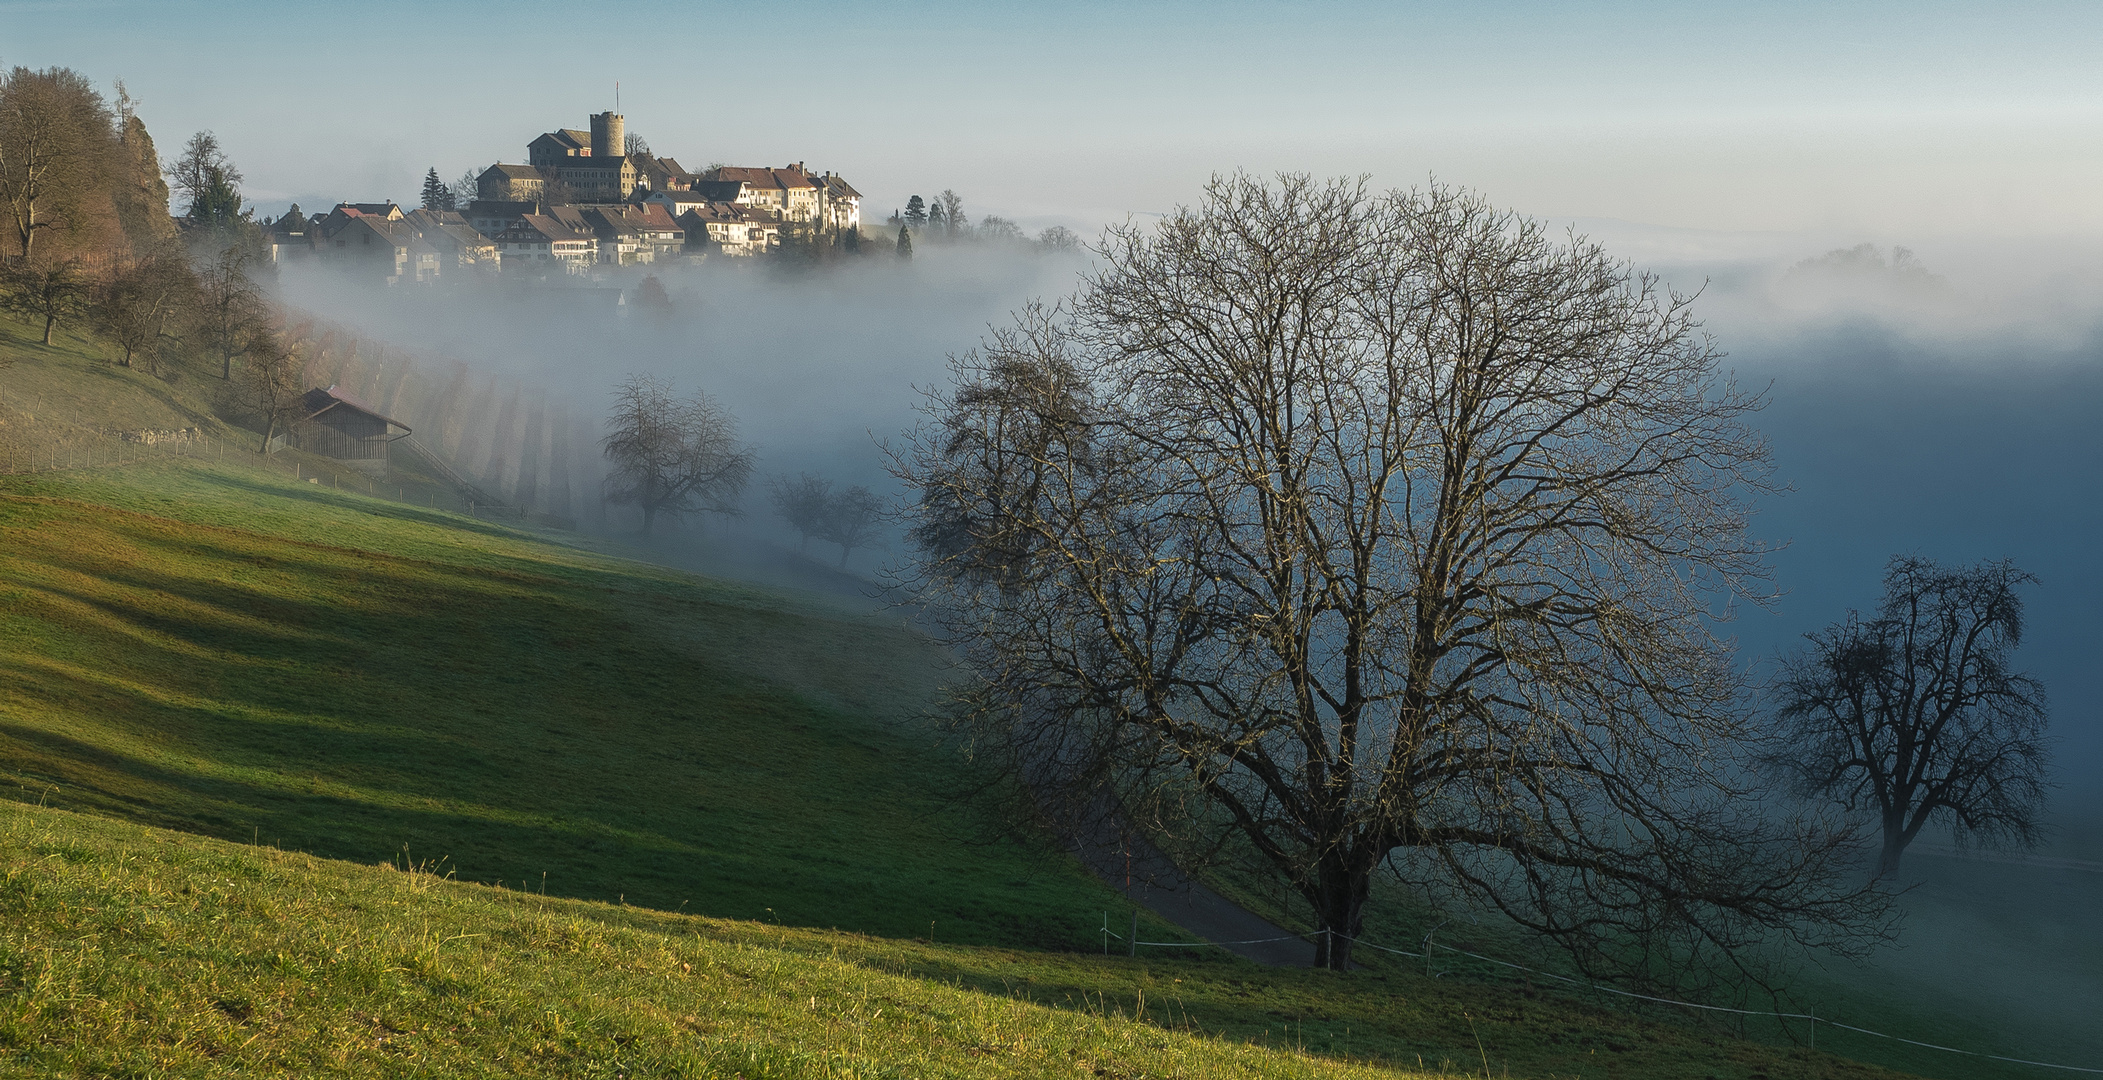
1150	877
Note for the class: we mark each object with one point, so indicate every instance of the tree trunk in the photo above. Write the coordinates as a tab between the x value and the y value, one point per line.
269	429
1339	897
844	552
50	321
1894	846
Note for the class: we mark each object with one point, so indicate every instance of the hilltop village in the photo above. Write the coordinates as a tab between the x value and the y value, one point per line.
584	200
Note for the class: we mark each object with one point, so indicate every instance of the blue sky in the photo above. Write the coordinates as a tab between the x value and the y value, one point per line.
1875	121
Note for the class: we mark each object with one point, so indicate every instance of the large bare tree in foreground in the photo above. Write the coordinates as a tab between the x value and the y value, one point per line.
1378	530
1918	713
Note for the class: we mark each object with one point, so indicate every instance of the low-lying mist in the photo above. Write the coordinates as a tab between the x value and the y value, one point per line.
1914	408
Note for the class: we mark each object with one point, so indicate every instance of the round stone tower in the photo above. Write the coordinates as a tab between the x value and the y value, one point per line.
608	136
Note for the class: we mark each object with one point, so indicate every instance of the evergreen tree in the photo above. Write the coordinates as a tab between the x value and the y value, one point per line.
905	242
211	183
437	196
937	224
915	212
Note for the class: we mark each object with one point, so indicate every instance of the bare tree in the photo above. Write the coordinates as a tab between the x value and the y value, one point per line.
50	290
1390	530
801	501
1058	238
670	455
954	223
270	384
55	140
232	316
468	188
851	520
1917	715
136	306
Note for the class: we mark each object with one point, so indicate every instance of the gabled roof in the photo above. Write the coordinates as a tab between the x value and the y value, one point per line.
838	188
720	213
499	208
654	216
531	226
317	402
764	179
607	221
571	217
513	172
566	139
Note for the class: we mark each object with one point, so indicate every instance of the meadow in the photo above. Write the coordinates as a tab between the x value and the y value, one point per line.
309	780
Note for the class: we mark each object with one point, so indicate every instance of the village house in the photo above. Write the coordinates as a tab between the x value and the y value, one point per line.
788	191
510	183
374	240
730	229
538	243
458	243
290	238
661	174
490	217
629	235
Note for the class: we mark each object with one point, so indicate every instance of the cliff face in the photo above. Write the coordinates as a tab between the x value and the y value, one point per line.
138	189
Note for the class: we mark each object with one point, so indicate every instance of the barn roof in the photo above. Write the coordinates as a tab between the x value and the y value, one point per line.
321	401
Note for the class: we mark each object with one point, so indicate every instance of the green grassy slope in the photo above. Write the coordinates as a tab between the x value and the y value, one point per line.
209	646
138	952
351	677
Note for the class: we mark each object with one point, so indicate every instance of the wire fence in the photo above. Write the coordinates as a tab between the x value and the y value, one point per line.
1812	1019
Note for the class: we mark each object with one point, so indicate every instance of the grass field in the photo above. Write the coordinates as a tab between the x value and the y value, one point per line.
308	674
128	951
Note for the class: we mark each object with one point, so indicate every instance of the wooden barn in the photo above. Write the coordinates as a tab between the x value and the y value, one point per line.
339	426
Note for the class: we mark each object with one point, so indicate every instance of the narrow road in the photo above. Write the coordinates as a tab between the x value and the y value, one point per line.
1147	875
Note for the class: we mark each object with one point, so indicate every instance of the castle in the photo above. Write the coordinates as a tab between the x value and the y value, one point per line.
582	200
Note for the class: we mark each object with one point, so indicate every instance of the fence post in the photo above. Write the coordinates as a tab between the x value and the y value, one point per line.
1135	931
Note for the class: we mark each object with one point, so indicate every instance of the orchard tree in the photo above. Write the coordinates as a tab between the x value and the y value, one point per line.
1379	531
45	289
1918	715
850	519
269	386
671	455
801	501
231	314
137	306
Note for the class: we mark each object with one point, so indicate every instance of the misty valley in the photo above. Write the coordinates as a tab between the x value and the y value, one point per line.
611	616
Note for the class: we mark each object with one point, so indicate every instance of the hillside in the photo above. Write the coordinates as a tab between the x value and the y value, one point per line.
324	680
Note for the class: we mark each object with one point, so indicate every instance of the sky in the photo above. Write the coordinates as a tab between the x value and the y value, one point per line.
1718	144
1874	121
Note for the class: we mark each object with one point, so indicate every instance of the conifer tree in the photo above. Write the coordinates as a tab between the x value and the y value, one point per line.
937	224
437	196
915	212
905	242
